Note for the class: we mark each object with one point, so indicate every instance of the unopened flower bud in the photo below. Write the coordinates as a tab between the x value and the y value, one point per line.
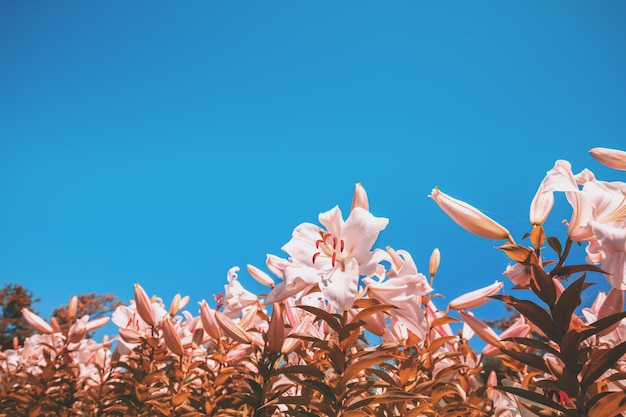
71	308
476	298
433	265
37	322
359	198
144	306
469	218
261	277
612	158
171	337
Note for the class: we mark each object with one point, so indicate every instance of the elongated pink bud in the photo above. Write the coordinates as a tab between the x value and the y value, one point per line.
476	298
71	308
171	337
359	199
481	329
209	324
612	158
144	306
433	265
37	322
469	218
96	323
261	277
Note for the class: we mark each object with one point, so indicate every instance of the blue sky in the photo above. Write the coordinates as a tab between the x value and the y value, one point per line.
163	143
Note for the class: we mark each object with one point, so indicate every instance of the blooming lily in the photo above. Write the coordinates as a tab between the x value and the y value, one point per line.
332	257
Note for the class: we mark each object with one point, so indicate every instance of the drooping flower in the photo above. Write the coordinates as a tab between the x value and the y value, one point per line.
470	218
403	289
332	257
236	298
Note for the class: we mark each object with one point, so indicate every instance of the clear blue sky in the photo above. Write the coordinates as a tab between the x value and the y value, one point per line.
163	143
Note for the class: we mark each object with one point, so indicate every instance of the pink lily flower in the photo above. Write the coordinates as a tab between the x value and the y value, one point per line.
612	158
469	218
332	258
236	298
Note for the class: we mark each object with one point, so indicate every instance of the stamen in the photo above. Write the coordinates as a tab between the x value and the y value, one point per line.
315	255
333	260
334	243
342	244
326	236
318	242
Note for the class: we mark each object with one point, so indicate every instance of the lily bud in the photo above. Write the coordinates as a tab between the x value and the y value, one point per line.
612	158
129	335
482	330
359	199
541	206
171	337
476	298
433	265
209	324
37	322
469	218
144	306
261	277
71	308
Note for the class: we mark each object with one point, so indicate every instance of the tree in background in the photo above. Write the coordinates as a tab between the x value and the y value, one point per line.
13	298
94	305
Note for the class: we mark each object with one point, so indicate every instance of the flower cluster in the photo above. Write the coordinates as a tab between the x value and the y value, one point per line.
353	329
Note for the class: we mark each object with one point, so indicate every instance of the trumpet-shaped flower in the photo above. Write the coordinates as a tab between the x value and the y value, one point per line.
469	218
332	257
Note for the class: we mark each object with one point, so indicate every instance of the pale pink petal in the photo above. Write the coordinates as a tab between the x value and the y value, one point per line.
260	276
360	233
302	247
340	287
332	220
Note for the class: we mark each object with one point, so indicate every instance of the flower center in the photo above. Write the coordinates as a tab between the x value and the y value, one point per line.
330	247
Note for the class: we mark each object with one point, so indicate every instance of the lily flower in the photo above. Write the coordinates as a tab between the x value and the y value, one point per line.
332	257
470	218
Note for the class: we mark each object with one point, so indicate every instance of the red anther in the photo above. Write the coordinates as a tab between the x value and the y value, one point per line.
342	244
315	255
334	243
326	236
334	257
318	242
